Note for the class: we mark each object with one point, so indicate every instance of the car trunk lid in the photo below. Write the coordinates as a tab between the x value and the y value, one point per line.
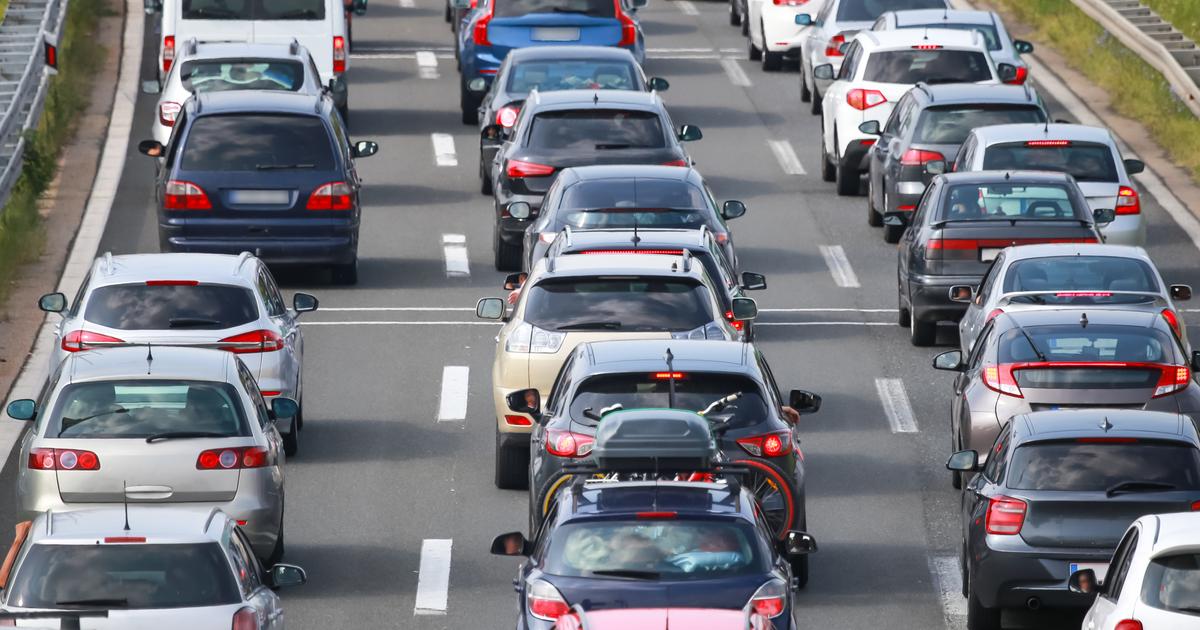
164	471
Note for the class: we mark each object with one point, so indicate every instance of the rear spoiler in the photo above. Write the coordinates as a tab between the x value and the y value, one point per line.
1008	298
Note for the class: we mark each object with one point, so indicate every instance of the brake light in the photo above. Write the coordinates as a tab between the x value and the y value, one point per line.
232	458
245	619
676	163
770	598
544	601
967	249
62	459
1128	201
1128	624
479	34
1048	143
1005	515
567	444
666	376
1196	506
774	444
737	324
507	116
253	341
75	340
517	168
993	314
168	52
661	252
181	195
861	99
339	54
834	47
1172	379
1173	321
628	26
657	515
331	196
1022	75
125	539
999	378
167	111
789	3
927	47
1083	294
918	157
518	421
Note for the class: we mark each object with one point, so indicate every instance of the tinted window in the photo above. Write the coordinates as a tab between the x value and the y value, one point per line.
222	76
951	124
633	193
137	409
1086	162
1080	280
145	576
572	74
990	37
253	9
257	142
162	307
1173	583
1001	202
597	130
517	8
630	217
628	304
869	10
693	390
1096	342
930	66
1096	466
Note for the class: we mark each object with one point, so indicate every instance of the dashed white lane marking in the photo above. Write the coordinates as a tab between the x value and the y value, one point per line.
455	248
737	76
453	403
787	157
895	405
427	64
686	7
947	579
443	149
839	266
433	581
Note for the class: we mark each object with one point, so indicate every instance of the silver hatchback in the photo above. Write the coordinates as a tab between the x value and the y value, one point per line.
157	425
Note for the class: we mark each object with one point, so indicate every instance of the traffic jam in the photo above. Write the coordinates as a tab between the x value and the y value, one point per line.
623	454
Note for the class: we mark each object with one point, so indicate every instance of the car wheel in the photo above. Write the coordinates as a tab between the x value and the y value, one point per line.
734	19
291	441
828	172
447	14
276	551
755	53
846	178
344	110
956	478
874	218
469	104
962	568
904	315
921	333
508	257
805	93
346	274
800	565
485	180
771	61
980	617
745	19
816	101
892	233
512	467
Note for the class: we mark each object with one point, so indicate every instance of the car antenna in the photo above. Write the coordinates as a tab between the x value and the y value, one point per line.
945	14
125	501
926	36
670	359
636	239
595	97
1083	320
149	357
1106	425
1007	175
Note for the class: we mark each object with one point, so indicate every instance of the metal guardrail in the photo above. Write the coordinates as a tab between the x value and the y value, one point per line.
24	77
1154	40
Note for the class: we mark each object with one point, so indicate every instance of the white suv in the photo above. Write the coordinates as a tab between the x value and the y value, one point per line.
880	67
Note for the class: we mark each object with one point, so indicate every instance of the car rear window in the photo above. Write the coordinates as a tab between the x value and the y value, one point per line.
1092	465
253	9
257	142
1003	202
951	124
633	193
139	575
139	409
930	66
630	304
517	8
597	129
251	74
1087	162
1080	280
869	10
1172	583
630	217
572	74
990	36
1095	342
171	306
693	390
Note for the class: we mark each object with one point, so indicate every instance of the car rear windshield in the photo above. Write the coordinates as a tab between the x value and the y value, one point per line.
597	129
1080	280
1092	465
171	307
517	8
1003	202
869	10
257	142
572	74
253	9
951	124
630	217
631	304
134	575
693	390
930	66
217	75
139	409
1087	162
1095	342
677	549
633	193
1172	583
990	36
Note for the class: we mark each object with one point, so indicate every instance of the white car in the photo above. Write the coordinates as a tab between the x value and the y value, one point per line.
1002	47
1153	580
880	68
773	32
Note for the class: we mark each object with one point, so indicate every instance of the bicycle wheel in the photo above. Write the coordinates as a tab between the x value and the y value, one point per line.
541	501
768	483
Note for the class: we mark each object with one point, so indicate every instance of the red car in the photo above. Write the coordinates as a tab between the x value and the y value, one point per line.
663	618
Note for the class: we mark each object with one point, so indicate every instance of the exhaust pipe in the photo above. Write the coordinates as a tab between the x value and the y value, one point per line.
1033	603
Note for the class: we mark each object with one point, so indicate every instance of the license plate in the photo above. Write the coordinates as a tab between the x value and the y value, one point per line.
1099	568
260	197
988	254
547	34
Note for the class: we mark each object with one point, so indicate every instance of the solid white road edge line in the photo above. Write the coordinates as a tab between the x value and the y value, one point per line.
454	247
452	405
737	76
427	64
895	405
433	581
947	580
786	155
443	149
686	7
839	266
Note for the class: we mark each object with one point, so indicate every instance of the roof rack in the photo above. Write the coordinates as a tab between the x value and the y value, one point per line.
924	87
191	46
108	267
567	235
687	260
49	521
704	232
1029	94
653	441
550	264
294	47
242	258
535	95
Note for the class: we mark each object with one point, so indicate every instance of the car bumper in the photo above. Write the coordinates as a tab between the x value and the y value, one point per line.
1010	579
336	250
1125	230
931	294
780	29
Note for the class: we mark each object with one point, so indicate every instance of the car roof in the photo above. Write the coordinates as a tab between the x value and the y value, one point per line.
231	50
1066	316
256	101
1115	423
613	264
207	268
158	524
554	53
1045	250
908	37
648	238
1176	531
957	93
978	177
994	134
598	99
634	171
630	497
646	355
146	362
954	16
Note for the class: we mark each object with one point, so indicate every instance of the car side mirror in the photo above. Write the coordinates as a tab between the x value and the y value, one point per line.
744	309
935	167
733	209
753	281
22	409
1083	582
896	220
513	281
520	210
492	133
950	361
1104	215
658	84
1133	167
53	302
871	127
823	72
304	303
153	148
799	543
963	293
804	19
525	401
1181	292
690	133
1006	72
285	575
1195	361
804	401
964	461
365	148
511	544
284	407
359	7
151	87
489	308
1022	47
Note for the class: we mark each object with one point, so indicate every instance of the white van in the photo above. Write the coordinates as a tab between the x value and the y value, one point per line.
319	25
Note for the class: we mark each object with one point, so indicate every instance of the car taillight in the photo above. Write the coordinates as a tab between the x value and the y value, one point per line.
172	283
167	111
628	26
676	163
1196	506
968	248
1128	624
517	169
480	33
1172	378
834	47
232	458
999	378
1021	76
245	619
331	196
993	314
78	340
253	341
774	444
660	252
339	54
861	99
181	195
507	116
770	599
918	157
62	459
1048	143
1128	201
168	52
544	601
517	421
789	3
1005	515
1173	321
567	444
737	324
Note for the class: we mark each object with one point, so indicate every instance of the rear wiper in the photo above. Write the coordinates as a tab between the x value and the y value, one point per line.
591	326
629	573
1041	357
604	147
98	601
171	435
281	167
77	421
1137	486
187	322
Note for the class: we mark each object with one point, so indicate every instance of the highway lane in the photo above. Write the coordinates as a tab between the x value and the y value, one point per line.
379	474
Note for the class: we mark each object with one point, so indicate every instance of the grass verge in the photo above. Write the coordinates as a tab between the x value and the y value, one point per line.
21	236
1183	14
1137	90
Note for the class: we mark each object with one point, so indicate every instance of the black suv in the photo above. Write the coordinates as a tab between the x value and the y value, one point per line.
266	172
557	130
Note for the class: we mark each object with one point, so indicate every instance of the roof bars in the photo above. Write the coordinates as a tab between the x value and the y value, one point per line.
704	231
924	87
208	521
108	267
191	46
242	258
687	260
294	47
535	95
567	235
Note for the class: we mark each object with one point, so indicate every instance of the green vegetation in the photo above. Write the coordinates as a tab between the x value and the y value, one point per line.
1183	14
1137	90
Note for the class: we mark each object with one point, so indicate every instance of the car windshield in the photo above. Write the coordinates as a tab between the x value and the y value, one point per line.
633	193
1094	464
1087	162
990	36
254	142
631	217
140	409
630	304
1004	201
951	124
141	575
572	74
517	8
253	9
869	10
676	549
1172	583
170	306
930	66
597	129
1080	280
693	390
223	75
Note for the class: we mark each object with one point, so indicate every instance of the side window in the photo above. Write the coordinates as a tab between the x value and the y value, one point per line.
907	118
965	155
770	378
343	140
247	566
181	121
260	406
853	53
923	207
731	279
312	67
77	302
989	280
1118	569
893	122
994	470
275	303
980	348
560	383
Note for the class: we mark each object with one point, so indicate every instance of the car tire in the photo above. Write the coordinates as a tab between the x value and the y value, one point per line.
904	318
771	61
892	233
800	565
512	467
874	218
734	18
847	179
291	441
754	52
805	93
346	274
921	334
816	108
956	478
447	14
469	104
485	181
828	172
508	257
278	550
344	110
979	617
745	18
